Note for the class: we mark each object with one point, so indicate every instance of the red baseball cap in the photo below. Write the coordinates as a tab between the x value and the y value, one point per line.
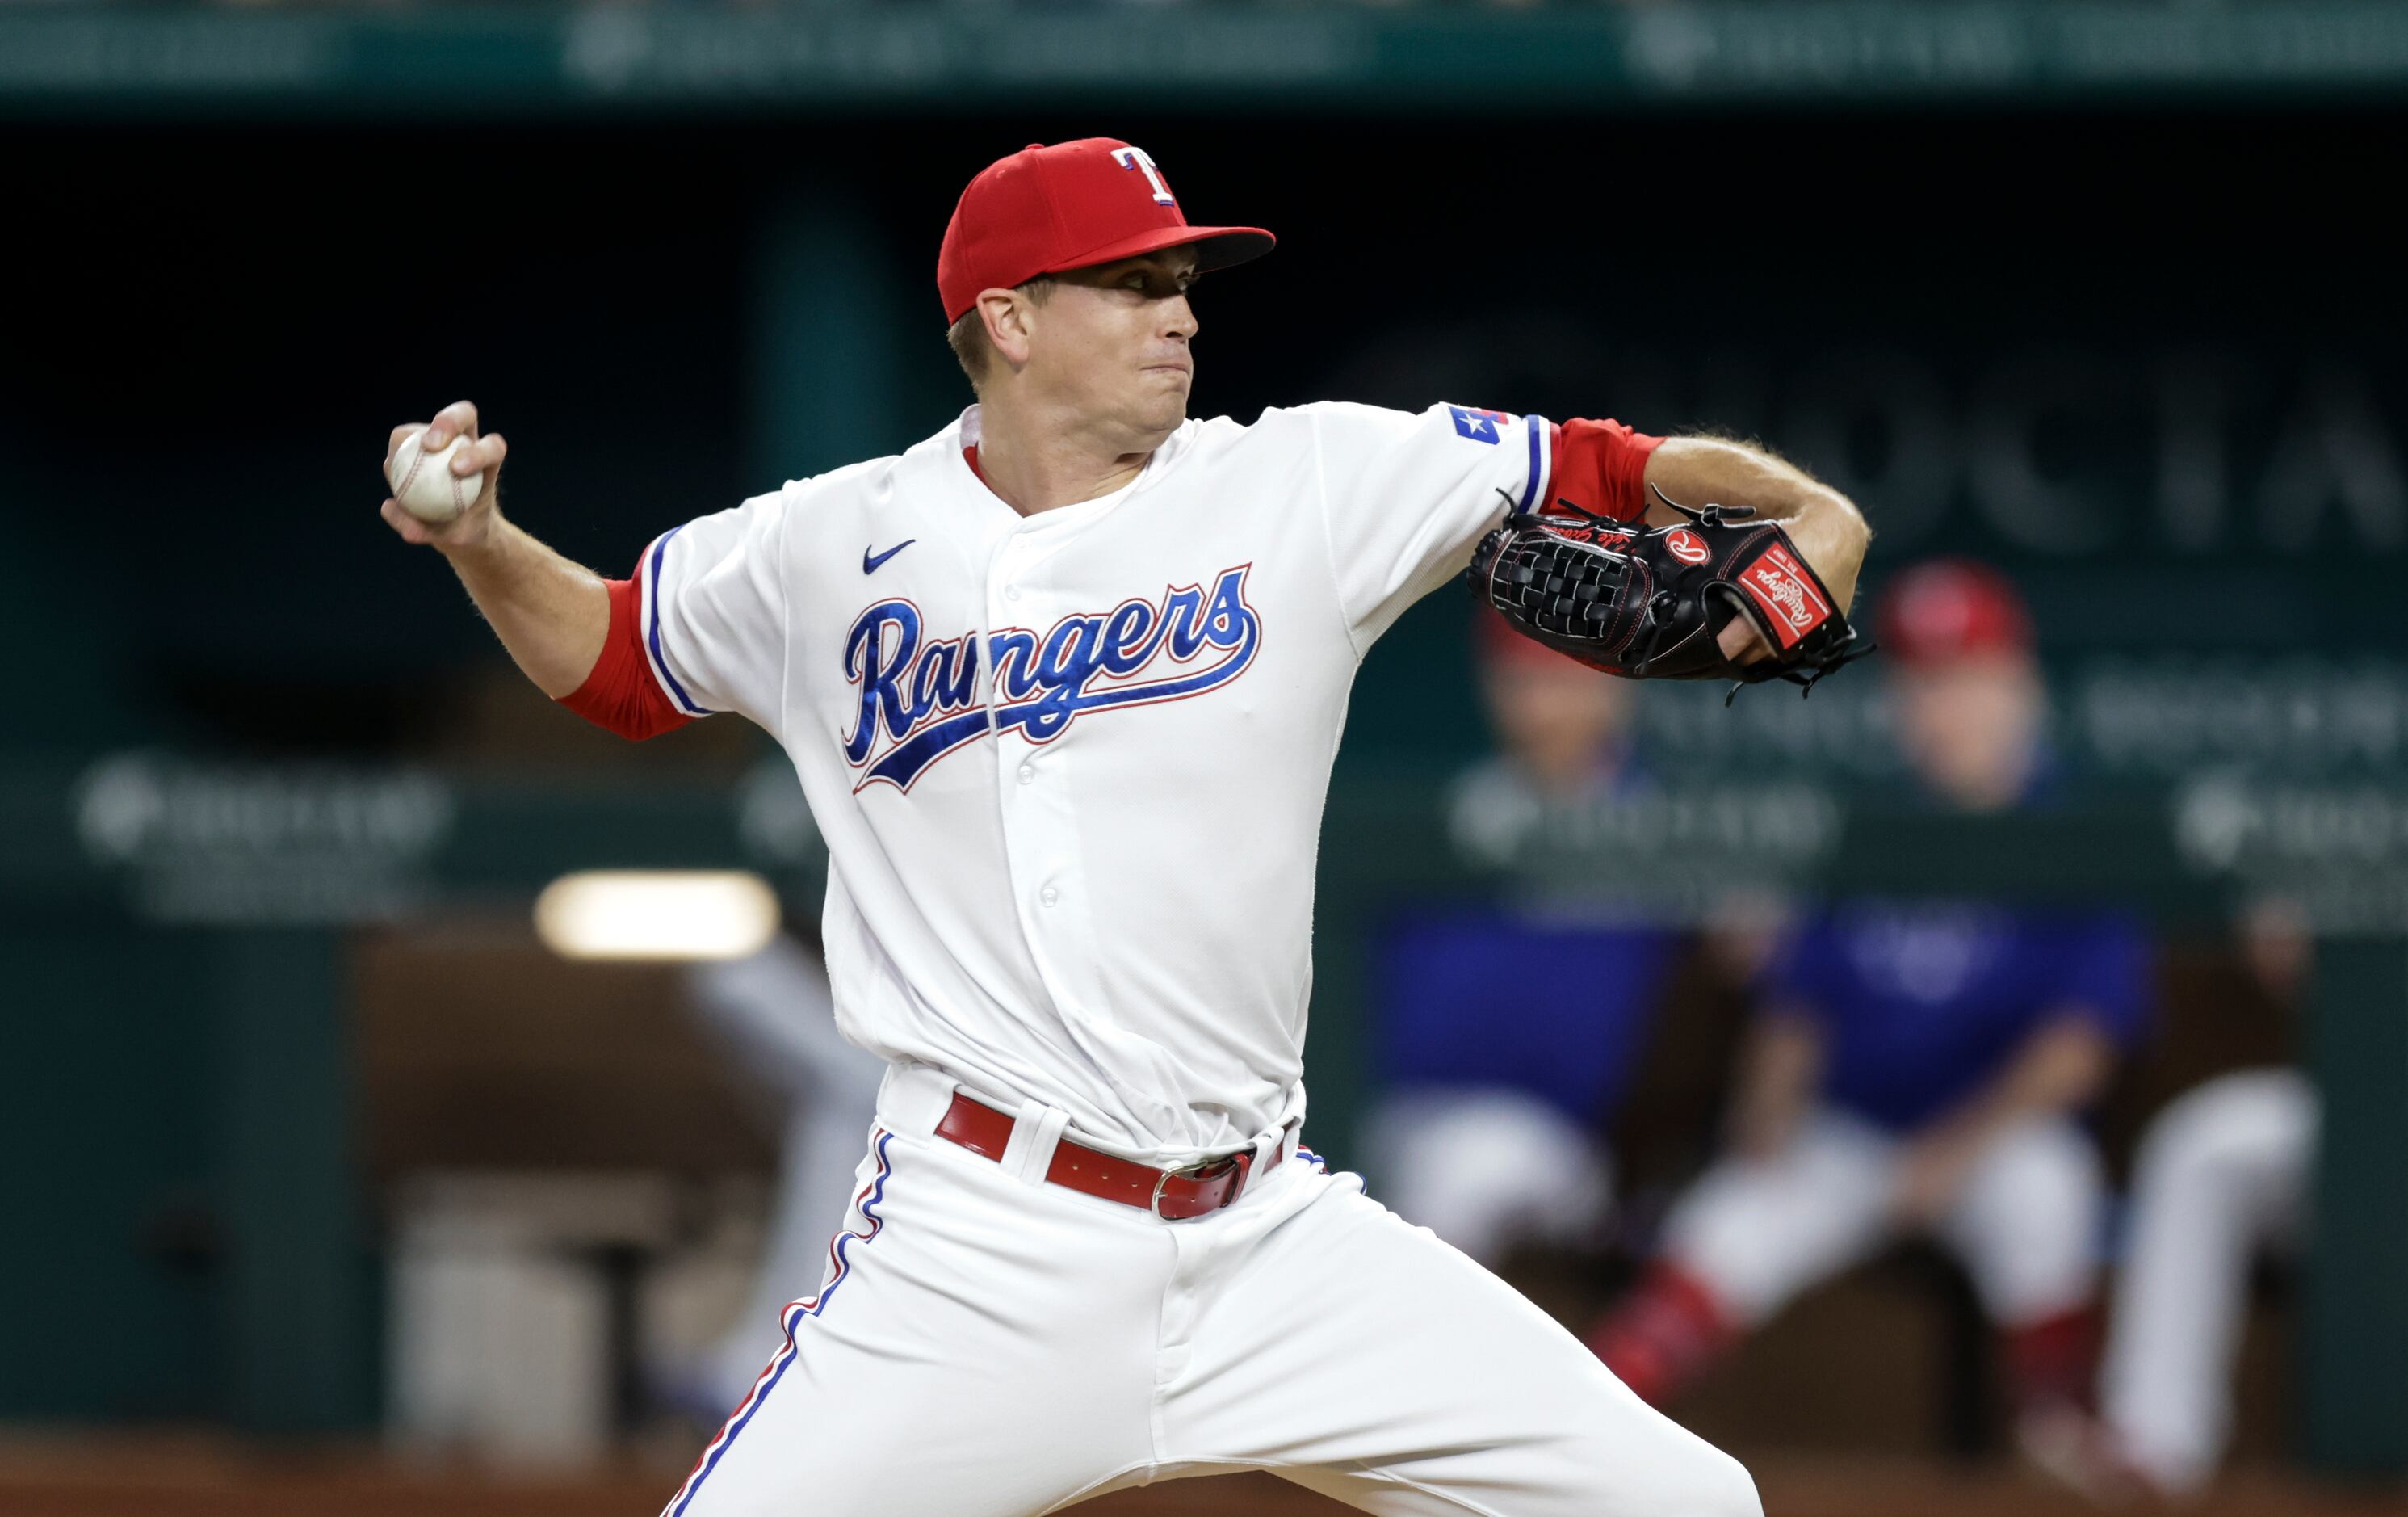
1952	608
1048	210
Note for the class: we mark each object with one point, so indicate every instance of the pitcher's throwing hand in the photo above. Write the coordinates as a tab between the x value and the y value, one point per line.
483	454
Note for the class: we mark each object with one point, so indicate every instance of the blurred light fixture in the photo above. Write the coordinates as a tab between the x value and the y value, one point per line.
656	913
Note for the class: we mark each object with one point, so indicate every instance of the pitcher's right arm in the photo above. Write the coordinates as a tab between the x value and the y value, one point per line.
551	614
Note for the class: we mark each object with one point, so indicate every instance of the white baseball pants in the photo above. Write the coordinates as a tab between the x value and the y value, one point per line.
988	1345
2222	1174
2025	1223
1487	1169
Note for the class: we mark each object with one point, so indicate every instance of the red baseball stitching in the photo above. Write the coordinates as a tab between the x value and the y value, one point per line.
401	486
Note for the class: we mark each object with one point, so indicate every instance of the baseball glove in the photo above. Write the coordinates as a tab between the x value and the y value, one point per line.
1649	602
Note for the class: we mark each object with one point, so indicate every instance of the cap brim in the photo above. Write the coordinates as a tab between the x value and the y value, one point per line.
1216	247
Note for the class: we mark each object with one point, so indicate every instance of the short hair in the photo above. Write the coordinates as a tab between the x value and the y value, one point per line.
972	348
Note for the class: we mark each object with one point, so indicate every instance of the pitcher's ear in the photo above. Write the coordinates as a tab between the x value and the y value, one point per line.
1010	320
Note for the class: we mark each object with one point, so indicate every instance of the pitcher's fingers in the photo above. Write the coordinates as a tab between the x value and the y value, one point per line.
484	448
1742	644
486	452
412	531
458	419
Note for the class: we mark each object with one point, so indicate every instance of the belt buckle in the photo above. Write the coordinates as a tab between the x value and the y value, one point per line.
1199	1170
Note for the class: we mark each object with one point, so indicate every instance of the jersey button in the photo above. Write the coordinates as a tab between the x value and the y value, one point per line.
1011	592
1049	895
1027	774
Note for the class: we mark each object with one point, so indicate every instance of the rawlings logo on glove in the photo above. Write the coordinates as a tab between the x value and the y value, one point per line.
1791	596
1651	603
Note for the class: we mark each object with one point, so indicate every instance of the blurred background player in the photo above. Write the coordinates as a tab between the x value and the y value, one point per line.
1507	1032
775	1015
1918	1067
2220	1180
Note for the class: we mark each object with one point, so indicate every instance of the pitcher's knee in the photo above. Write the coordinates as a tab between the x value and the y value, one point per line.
1693	1478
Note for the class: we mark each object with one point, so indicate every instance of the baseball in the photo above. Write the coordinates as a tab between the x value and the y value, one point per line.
424	484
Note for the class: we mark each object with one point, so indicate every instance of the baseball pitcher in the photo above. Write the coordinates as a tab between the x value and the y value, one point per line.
1063	684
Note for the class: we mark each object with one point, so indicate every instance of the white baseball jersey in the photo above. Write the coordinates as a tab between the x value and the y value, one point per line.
1070	767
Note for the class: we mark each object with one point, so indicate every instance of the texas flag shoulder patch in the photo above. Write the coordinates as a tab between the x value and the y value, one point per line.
1791	600
1480	426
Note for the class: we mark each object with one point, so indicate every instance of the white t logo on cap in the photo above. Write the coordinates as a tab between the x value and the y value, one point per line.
1136	158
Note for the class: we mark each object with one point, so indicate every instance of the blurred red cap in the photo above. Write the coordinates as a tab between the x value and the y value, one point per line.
1046	209
1952	608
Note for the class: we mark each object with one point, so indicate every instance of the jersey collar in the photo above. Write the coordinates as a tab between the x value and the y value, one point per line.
966	433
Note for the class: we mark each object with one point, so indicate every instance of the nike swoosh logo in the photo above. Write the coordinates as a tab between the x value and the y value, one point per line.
870	561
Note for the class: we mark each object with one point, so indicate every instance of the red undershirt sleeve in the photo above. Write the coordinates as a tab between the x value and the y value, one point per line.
1601	466
620	693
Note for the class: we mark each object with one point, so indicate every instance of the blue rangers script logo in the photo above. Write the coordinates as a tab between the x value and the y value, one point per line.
920	699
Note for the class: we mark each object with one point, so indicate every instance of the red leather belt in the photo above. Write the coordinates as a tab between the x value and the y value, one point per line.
1173	1194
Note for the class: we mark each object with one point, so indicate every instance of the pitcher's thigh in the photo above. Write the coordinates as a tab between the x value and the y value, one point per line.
1362	1357
831	1432
977	1355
